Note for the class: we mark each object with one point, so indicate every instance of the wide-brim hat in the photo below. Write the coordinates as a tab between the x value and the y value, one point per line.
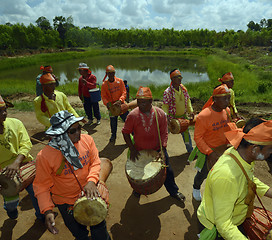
83	66
60	122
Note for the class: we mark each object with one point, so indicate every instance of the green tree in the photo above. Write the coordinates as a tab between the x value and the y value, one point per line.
43	23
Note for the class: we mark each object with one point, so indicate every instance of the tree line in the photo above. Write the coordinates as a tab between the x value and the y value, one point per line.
64	33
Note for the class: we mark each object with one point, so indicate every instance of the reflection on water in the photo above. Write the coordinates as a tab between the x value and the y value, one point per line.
137	70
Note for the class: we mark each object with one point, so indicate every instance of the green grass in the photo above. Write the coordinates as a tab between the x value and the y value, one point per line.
24	106
252	82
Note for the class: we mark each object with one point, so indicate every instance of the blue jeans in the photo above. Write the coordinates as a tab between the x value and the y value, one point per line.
170	183
114	121
188	145
90	108
79	231
10	206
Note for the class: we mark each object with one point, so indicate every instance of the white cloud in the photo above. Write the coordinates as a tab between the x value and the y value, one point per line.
180	14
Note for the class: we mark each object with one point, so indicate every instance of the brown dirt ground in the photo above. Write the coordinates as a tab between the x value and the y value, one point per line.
156	216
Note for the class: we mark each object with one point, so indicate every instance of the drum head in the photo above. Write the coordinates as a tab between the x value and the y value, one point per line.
9	188
145	167
90	212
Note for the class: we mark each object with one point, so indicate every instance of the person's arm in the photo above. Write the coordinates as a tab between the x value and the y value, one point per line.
262	189
80	95
190	109
224	197
105	93
41	116
23	151
91	82
123	92
200	130
126	131
163	128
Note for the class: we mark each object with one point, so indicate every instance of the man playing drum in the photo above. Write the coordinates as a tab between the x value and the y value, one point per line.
86	82
142	123
68	152
177	104
227	189
51	101
113	91
211	123
15	145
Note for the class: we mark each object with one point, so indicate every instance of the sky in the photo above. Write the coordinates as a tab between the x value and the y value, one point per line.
217	15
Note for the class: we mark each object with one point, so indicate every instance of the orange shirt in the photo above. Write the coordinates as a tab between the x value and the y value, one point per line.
209	129
51	188
113	91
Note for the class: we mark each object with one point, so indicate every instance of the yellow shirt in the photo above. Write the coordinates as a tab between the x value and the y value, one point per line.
60	103
232	102
225	191
14	141
180	104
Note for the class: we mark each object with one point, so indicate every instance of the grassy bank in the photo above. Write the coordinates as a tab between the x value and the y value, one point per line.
252	80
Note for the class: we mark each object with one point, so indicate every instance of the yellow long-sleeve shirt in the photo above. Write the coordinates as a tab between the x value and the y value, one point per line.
60	103
223	203
233	108
14	141
180	104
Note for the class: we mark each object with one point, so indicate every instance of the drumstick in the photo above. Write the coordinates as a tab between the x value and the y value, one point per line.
34	139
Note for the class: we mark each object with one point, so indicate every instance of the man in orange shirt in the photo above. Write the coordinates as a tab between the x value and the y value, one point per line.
55	183
113	91
211	123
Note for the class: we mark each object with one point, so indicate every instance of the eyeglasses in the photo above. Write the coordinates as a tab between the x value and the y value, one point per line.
73	130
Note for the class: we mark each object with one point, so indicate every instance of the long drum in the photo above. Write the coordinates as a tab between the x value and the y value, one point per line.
11	187
258	226
92	212
117	110
146	175
240	122
178	125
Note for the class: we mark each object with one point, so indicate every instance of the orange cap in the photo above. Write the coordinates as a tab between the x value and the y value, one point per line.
110	68
259	135
46	68
221	90
144	93
226	77
47	79
2	102
175	73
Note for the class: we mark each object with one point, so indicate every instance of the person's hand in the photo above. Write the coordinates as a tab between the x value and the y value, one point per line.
50	222
212	159
11	170
191	116
118	103
160	156
134	154
91	190
84	81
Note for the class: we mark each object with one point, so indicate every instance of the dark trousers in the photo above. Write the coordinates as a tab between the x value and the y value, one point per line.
201	176
114	121
79	231
170	183
90	108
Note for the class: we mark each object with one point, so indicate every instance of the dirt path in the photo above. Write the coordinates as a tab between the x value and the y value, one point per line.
156	216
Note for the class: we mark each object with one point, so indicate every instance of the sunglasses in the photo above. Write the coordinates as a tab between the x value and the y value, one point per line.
73	130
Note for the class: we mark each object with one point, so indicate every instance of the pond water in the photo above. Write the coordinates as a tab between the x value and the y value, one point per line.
137	70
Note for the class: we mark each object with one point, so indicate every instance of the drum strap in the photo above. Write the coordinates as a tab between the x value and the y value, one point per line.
251	187
158	127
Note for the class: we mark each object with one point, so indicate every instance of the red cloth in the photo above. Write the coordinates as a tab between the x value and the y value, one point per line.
84	89
210	127
145	128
